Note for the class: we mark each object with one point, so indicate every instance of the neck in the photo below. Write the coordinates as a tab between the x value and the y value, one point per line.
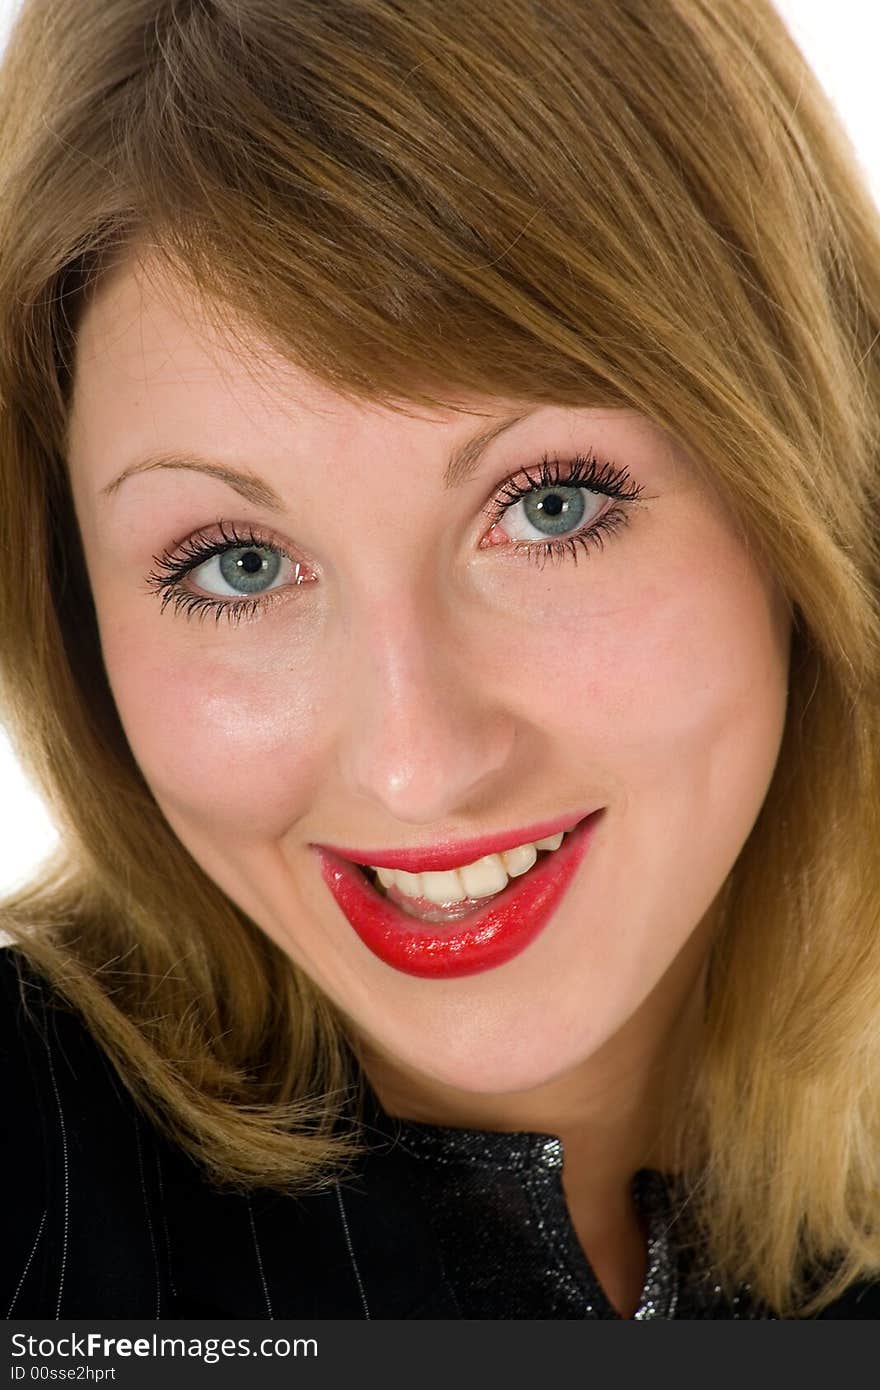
608	1114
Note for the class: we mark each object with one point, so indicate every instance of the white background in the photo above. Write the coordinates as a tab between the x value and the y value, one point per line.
841	39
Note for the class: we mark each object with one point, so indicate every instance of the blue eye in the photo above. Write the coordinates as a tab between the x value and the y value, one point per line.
245	562
551	502
246	569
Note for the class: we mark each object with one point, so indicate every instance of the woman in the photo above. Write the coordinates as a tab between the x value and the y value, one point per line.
440	602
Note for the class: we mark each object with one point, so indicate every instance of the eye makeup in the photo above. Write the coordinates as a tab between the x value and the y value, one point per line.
550	490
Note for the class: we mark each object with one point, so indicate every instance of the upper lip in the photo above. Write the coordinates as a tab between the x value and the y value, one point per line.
451	854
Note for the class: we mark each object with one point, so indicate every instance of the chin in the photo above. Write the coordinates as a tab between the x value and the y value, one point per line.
486	1070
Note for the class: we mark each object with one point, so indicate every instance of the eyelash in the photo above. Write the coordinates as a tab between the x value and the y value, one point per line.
583	471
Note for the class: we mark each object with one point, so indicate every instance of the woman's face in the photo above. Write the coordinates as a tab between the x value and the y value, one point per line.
425	674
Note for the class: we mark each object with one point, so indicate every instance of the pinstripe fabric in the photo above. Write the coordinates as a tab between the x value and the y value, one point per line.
11	1310
104	1217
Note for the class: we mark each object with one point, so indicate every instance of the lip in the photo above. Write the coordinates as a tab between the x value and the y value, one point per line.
481	941
452	854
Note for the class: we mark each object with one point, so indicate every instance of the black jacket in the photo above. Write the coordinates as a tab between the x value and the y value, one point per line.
105	1217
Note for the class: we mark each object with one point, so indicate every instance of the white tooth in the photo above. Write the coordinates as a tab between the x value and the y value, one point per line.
550	841
411	884
445	887
488	875
516	861
484	874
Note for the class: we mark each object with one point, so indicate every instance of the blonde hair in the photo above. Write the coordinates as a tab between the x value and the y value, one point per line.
641	203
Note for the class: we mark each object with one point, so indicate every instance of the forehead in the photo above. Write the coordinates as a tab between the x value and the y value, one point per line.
158	371
144	327
144	330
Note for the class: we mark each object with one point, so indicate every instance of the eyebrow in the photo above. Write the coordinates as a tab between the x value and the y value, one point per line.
461	465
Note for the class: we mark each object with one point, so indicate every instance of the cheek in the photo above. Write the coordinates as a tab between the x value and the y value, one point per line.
672	670
690	699
228	745
707	697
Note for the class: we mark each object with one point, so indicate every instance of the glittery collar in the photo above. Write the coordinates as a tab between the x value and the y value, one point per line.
462	1171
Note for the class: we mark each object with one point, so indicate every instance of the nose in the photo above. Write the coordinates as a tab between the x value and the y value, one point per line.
425	734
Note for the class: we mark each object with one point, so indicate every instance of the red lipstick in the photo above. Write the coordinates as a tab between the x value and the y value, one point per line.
452	854
487	936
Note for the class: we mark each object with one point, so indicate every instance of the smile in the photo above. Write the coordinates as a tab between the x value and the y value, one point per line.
467	935
483	878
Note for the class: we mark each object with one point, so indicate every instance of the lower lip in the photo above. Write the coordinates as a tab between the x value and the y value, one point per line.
484	939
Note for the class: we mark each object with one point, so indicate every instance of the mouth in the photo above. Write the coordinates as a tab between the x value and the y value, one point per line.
426	909
444	941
